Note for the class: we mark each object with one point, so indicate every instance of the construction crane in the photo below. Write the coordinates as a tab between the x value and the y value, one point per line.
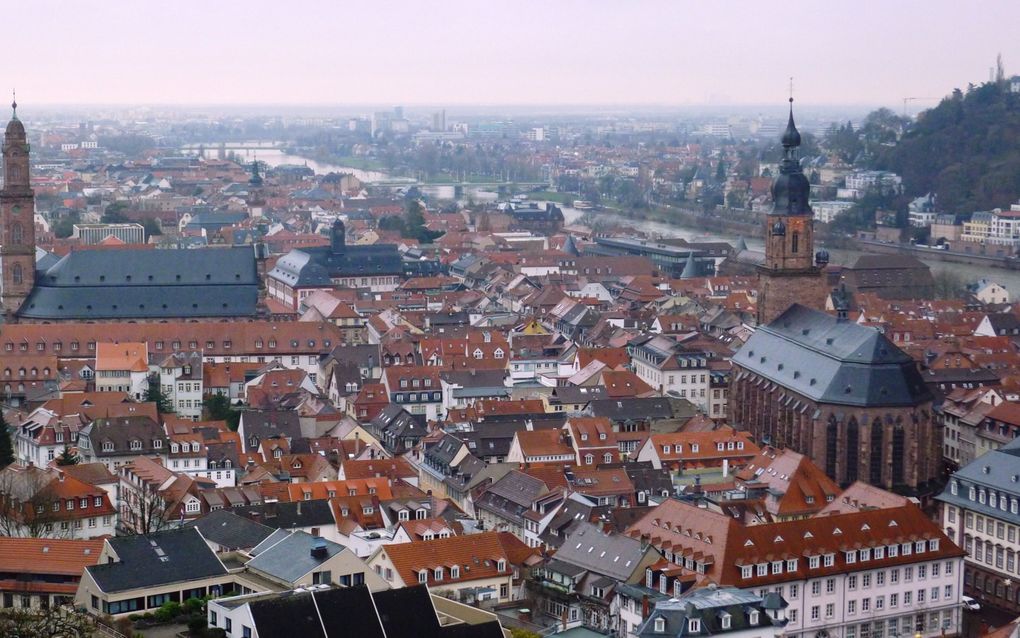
912	99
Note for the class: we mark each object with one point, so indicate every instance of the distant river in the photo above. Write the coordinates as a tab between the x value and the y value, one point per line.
276	157
1008	278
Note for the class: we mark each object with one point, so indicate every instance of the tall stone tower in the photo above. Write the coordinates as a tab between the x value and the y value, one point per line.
17	219
792	272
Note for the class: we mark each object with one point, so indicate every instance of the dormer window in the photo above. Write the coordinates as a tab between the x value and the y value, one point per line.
501	565
136	444
746	571
660	625
420	513
602	436
455	572
107	446
725	620
423	576
277	453
174	448
752	617
403	515
438	574
694	625
157	444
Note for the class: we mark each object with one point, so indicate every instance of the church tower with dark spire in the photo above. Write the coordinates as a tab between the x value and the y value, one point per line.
17	219
792	271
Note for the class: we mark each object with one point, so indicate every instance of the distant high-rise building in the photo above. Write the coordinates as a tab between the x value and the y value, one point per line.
398	112
439	121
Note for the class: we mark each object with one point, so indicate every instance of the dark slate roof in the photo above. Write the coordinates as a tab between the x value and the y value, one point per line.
316	265
227	529
442	453
290	515
272	423
348	611
158	559
145	284
288	614
396	606
612	555
832	361
623	409
996	470
365	355
710	604
144	268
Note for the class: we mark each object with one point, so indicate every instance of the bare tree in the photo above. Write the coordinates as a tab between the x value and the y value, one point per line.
52	622
28	506
146	509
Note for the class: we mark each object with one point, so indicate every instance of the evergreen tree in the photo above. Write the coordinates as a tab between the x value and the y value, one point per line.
67	457
154	394
6	444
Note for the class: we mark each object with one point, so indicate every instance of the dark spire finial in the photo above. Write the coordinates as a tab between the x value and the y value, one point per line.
14	104
791	137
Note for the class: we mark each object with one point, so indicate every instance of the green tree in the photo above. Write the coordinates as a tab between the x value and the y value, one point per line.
6	444
154	394
151	227
68	457
218	408
114	213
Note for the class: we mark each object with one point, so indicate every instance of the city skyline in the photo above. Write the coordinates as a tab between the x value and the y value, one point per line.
570	53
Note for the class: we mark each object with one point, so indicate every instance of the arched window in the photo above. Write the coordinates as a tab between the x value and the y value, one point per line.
17	276
795	242
875	474
17	234
853	450
831	441
898	450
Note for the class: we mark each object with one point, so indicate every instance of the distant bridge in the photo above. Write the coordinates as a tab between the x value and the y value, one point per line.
234	146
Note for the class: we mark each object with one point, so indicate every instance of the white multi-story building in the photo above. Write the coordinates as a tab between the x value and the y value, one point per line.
122	367
826	211
981	512
96	233
870	573
672	371
180	377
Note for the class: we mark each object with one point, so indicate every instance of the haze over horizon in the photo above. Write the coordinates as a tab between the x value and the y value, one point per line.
653	53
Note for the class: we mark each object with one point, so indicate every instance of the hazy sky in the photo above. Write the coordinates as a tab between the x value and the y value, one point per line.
492	52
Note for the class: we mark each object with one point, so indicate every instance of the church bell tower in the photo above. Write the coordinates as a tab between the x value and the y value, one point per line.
792	272
17	219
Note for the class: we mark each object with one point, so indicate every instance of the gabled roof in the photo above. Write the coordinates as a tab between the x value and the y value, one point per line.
153	560
476	556
613	555
227	529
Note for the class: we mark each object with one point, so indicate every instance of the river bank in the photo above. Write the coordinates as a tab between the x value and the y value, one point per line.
843	251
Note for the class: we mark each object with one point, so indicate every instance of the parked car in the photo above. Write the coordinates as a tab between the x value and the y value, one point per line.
970	603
